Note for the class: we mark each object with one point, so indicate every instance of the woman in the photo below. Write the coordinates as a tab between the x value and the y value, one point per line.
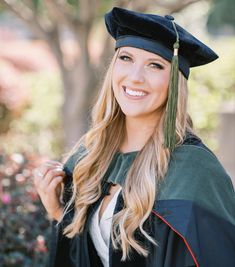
140	189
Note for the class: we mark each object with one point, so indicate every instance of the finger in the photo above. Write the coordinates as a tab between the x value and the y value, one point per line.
52	187
51	174
54	163
37	176
43	169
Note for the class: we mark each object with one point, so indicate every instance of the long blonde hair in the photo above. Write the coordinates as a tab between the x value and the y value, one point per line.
150	165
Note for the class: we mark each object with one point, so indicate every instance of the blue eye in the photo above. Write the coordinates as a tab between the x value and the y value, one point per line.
124	58
156	65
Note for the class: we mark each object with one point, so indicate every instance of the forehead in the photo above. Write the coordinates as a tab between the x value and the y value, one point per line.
141	53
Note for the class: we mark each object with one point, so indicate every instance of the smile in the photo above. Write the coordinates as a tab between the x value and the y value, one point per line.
136	94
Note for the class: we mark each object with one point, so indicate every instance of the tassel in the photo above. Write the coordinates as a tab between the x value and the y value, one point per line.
171	109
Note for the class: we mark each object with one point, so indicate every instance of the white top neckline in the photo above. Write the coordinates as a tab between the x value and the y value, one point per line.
100	229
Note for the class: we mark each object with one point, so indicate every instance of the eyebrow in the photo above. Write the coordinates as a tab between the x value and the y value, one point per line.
149	59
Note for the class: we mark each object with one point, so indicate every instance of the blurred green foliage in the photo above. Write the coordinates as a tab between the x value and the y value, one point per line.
221	15
38	130
210	87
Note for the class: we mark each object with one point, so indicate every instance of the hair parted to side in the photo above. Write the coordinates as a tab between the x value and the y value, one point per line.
150	166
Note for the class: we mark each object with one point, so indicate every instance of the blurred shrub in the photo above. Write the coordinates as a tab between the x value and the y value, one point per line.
38	130
211	86
24	228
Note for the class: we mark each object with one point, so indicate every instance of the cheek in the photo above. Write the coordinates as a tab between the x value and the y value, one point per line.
117	71
117	76
160	91
164	92
161	85
114	81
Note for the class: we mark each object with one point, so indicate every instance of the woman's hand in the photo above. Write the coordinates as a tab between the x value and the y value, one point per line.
48	182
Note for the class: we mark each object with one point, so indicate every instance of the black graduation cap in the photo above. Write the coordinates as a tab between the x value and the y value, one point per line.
156	34
162	36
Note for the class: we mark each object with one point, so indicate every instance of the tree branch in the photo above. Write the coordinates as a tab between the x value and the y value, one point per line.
176	6
29	16
54	42
26	14
59	12
140	5
88	10
121	3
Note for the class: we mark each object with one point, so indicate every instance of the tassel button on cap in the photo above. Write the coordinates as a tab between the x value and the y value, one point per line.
169	17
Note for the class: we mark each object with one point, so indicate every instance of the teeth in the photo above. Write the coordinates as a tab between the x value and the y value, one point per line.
134	93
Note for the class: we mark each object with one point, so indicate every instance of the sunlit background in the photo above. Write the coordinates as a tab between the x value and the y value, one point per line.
53	55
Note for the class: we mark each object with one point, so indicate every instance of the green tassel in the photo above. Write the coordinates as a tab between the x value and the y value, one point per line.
171	109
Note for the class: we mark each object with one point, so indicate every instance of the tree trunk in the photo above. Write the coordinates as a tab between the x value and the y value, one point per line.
75	109
78	83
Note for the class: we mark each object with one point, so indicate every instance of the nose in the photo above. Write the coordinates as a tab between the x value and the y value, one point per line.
137	74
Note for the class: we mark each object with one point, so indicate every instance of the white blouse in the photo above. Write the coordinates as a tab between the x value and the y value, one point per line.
100	229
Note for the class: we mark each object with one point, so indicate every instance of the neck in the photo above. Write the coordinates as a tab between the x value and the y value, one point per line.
138	131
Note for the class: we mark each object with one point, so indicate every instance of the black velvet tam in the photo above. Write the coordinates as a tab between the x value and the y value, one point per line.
156	34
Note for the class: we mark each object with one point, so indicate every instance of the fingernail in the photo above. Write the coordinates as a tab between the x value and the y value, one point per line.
59	169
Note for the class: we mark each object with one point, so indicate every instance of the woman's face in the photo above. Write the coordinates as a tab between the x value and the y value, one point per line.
140	82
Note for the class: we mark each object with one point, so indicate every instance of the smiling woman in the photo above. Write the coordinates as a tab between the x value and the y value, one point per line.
140	83
140	188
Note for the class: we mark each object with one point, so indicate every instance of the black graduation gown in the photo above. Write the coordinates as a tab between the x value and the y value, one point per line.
192	226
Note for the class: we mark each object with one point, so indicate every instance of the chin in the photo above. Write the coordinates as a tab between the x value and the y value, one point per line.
128	112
